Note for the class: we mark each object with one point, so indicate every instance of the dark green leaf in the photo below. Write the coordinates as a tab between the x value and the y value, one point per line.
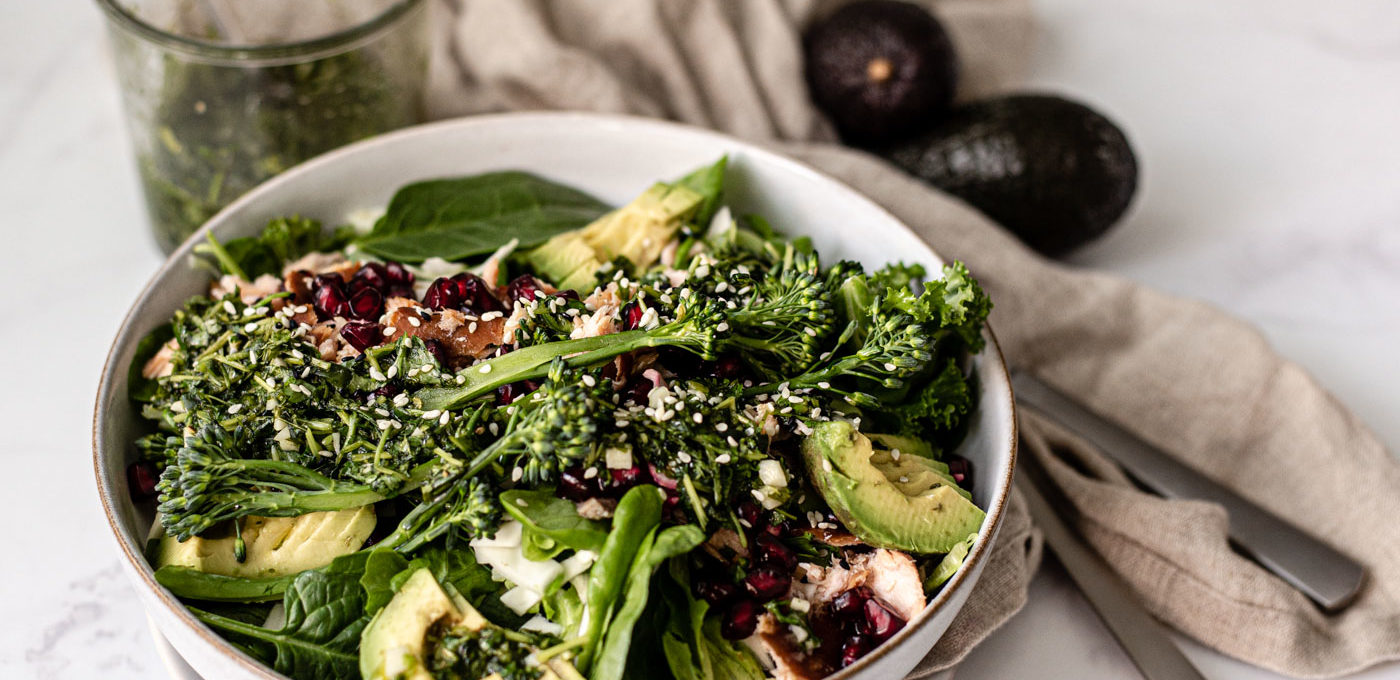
466	216
283	239
380	569
197	585
321	638
679	540
546	515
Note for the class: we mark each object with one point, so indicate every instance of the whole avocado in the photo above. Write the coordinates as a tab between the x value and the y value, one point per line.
880	69
1053	171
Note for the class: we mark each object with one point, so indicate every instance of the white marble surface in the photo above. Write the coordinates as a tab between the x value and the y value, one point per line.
1271	187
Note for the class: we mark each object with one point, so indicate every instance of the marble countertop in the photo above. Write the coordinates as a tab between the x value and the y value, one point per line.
1271	187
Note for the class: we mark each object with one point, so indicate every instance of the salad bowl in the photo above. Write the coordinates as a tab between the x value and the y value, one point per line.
608	157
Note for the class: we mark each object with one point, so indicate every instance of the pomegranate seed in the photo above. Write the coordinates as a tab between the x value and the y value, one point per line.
750	513
574	486
766	584
366	304
569	294
388	391
400	291
141	479
524	288
330	300
436	349
442	294
768	551
879	622
372	275
622	480
727	367
636	392
961	469
855	648
329	280
362	335
398	274
476	297
715	592
740	621
506	394
632	315
851	603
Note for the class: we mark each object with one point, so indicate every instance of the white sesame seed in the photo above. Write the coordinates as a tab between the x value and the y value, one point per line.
590	473
491	316
249	328
722	458
376	375
446	415
429	415
732	441
890	367
390	330
903	479
400	399
894	454
795	400
235	408
683	457
824	385
228	307
414	321
722	327
721	427
493	428
515	476
698	418
589	381
721	287
393	371
471	327
485	368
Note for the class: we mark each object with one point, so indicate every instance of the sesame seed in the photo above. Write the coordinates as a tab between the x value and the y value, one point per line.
721	427
515	476
722	327
491	316
683	457
493	428
389	330
589	381
429	415
590	473
471	327
721	287
376	375
302	309
894	454
903	480
393	371
485	368
228	307
698	418
732	441
414	321
890	367
249	328
235	409
824	385
795	400
446	415
400	399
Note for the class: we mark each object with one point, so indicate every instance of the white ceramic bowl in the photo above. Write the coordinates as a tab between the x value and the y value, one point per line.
613	158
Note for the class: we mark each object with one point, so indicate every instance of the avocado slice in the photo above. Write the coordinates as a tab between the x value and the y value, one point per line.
901	504
637	231
393	645
920	461
275	546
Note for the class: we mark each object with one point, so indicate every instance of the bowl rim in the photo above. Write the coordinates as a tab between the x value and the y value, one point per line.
110	372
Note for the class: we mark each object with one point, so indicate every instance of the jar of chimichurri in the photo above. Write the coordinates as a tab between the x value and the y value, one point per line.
223	94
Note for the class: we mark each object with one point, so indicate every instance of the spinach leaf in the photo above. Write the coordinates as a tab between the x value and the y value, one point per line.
678	540
461	217
283	239
544	514
194	584
709	183
321	638
381	567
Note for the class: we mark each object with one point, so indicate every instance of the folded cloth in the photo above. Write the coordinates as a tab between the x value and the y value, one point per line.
1199	384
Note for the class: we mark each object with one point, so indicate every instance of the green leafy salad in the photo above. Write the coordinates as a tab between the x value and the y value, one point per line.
509	432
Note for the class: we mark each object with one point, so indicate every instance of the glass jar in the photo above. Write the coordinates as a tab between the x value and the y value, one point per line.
223	94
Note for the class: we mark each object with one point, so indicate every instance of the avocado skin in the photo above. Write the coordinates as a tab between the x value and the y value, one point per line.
1055	172
921	83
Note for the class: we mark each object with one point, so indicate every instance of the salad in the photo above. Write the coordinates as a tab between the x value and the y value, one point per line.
509	432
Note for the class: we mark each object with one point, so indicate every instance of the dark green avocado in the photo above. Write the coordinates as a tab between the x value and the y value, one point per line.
1055	172
880	69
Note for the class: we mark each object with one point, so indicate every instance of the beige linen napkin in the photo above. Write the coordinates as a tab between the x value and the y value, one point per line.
1192	380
